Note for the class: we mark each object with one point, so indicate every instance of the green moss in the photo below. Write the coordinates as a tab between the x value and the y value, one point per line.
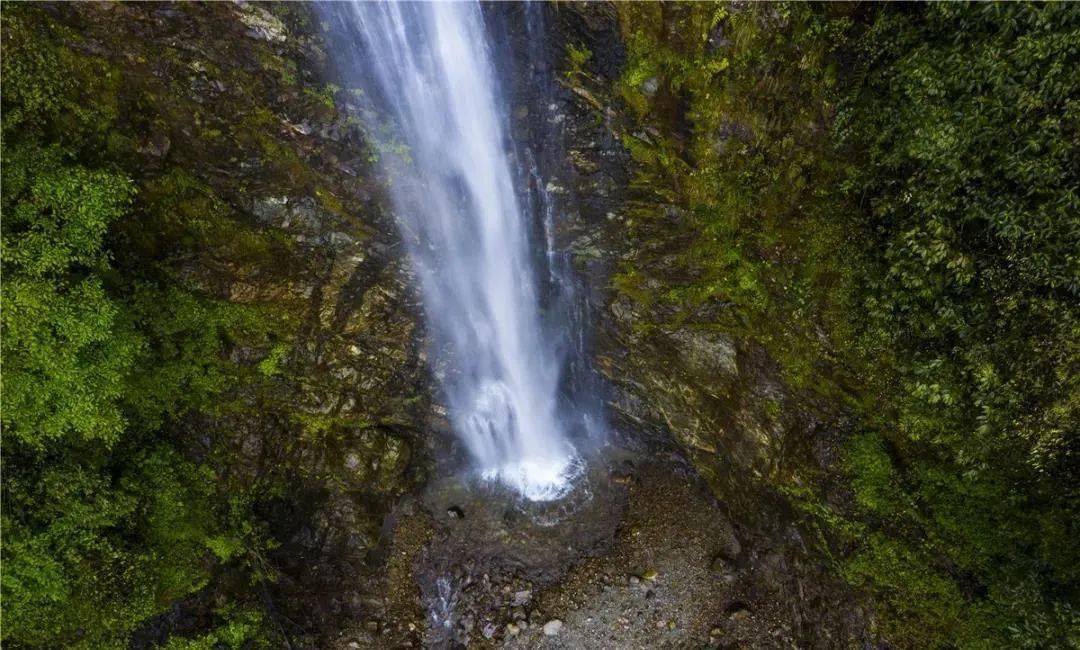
884	201
323	95
577	55
330	203
750	174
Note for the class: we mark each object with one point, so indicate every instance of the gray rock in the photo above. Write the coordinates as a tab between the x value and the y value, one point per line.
521	597
552	627
270	209
261	24
708	353
732	548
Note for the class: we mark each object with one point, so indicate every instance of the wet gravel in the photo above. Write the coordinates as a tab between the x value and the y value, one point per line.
642	557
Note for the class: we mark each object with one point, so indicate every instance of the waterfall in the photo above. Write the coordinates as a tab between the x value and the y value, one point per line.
445	152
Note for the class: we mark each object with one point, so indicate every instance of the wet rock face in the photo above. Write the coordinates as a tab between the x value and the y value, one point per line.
262	24
686	383
679	384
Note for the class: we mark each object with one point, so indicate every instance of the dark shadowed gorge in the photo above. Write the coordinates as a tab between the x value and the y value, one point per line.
796	326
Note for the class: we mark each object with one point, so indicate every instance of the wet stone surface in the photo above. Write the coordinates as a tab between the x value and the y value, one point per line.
651	560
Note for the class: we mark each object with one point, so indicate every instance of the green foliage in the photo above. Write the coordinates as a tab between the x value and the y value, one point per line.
88	556
239	628
106	349
66	347
971	169
578	56
964	124
50	86
887	201
323	96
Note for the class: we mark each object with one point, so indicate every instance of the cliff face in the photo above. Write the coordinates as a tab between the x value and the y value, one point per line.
254	186
682	385
674	380
798	301
825	263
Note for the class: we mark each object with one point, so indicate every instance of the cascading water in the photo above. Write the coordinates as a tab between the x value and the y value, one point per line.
468	233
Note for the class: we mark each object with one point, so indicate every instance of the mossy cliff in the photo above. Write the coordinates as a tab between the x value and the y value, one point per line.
844	281
212	382
828	258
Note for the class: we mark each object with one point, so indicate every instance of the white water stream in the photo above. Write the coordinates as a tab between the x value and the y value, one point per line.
468	237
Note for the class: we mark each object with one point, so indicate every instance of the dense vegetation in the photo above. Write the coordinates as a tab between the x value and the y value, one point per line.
887	199
108	516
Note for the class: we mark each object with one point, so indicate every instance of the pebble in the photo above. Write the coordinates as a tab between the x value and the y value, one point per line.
552	627
512	630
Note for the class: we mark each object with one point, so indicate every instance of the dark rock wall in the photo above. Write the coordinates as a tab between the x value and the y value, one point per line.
717	399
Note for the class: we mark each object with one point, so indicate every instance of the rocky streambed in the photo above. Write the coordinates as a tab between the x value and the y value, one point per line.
642	555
